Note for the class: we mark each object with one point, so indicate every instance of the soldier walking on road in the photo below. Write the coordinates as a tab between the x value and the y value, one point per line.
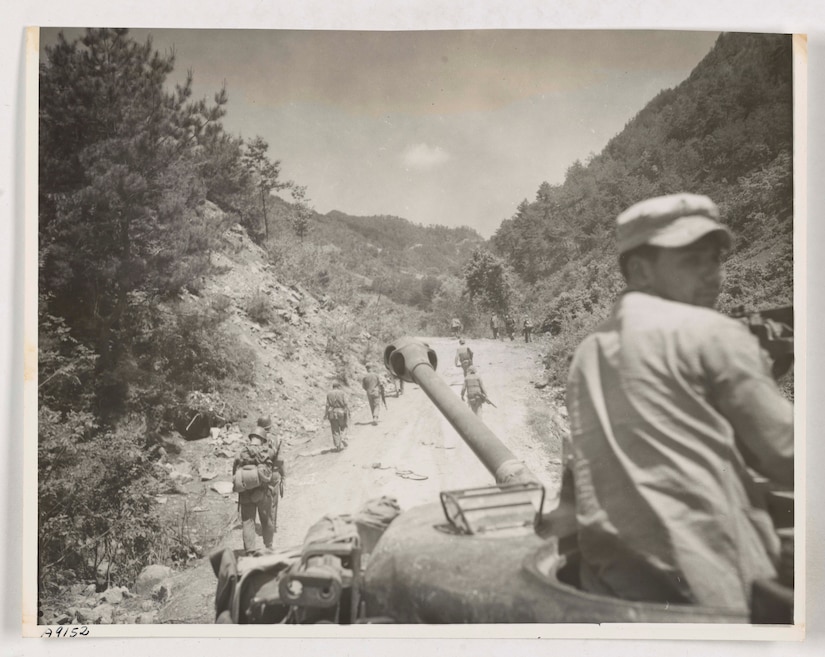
256	461
456	326
510	325
397	384
372	385
279	472
337	412
463	356
473	388
495	325
528	329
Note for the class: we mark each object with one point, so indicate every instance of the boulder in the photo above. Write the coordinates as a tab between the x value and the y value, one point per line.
147	605
180	477
174	488
150	577
84	614
147	618
77	589
171	444
114	595
103	614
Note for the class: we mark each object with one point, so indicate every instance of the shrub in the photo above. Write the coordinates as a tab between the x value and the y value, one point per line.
222	304
189	348
259	309
95	494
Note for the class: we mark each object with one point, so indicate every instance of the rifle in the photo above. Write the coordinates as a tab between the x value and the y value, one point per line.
383	397
486	400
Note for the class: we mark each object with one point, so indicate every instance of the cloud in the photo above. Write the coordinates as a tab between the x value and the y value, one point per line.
424	156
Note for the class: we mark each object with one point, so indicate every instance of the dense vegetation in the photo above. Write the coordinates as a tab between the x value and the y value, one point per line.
726	131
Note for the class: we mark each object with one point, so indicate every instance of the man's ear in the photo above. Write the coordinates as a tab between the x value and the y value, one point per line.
640	274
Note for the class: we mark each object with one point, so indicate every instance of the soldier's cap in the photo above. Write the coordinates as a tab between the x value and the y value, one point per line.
258	433
336	384
472	370
461	341
265	422
670	221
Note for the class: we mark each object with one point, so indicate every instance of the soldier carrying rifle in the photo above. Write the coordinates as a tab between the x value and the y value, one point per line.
473	388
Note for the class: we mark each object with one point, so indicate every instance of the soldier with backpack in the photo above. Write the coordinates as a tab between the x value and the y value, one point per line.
463	356
279	472
528	329
374	388
510	325
473	388
456	326
397	383
337	412
253	475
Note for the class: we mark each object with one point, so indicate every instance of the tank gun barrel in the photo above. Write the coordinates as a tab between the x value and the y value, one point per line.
414	362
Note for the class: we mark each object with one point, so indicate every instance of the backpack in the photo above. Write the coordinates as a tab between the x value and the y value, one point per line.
464	353
473	387
251	476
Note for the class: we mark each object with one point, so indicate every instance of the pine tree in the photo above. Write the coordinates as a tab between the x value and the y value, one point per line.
119	184
300	212
264	173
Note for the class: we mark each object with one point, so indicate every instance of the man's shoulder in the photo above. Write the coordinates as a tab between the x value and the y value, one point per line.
639	313
651	311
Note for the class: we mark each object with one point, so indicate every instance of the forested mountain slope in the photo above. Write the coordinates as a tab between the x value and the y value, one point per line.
726	131
390	256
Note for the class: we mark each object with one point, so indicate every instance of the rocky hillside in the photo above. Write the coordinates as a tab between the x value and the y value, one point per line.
299	342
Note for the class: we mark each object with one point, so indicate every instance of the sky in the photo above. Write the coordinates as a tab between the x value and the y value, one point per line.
438	127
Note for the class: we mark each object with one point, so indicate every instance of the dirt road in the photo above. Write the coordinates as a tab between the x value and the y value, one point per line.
412	454
413	440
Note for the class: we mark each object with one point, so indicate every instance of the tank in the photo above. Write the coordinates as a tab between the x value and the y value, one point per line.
481	555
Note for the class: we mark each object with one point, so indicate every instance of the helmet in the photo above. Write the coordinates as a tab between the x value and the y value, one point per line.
257	432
